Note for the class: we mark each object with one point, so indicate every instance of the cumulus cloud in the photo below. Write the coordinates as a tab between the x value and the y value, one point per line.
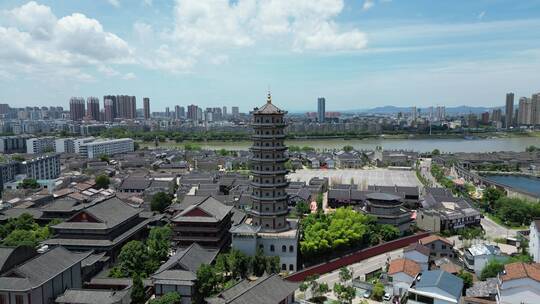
368	4
34	39
210	28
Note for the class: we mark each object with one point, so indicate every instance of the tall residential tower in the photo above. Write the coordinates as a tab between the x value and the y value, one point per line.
509	110
321	109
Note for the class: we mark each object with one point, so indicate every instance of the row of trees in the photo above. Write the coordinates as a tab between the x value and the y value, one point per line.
23	230
510	211
341	230
230	268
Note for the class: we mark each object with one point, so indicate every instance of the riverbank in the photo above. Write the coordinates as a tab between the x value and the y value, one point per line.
445	145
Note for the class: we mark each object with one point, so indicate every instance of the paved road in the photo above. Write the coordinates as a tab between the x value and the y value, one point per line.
361	268
425	170
494	230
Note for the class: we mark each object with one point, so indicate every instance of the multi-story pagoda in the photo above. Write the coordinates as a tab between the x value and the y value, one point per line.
269	209
268	227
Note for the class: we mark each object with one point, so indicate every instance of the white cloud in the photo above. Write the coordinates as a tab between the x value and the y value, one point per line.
368	4
34	40
115	3
129	76
481	15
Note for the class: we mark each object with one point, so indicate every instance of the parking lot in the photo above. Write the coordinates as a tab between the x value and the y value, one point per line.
362	177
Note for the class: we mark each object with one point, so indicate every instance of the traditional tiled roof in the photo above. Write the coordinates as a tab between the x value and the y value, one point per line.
268	289
215	211
40	269
108	213
91	296
407	266
520	270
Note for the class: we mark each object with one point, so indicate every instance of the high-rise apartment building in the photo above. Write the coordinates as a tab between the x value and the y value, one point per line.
112	103
509	119
192	112
496	115
235	112
224	112
92	108
525	112
146	108
321	109
167	112
535	100
414	114
76	108
177	112
485	118
182	112
441	113
127	106
4	108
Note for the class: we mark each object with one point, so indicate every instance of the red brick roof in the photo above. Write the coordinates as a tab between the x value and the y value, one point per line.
432	238
407	266
520	270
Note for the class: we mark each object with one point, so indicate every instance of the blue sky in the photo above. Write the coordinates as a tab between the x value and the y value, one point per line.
358	54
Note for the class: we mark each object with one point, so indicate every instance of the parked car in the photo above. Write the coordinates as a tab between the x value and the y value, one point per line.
387	296
367	294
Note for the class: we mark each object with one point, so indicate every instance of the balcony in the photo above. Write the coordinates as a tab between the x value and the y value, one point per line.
268	124
269	198
277	172
281	159
269	213
265	136
269	185
265	148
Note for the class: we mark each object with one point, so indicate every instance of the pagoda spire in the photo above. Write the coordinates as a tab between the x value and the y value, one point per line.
269	97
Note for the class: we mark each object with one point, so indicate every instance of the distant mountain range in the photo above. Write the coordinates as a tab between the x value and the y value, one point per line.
449	110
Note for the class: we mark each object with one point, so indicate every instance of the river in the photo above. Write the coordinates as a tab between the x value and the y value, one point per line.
420	145
528	184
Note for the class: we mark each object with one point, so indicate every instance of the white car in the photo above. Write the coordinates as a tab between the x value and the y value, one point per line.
387	296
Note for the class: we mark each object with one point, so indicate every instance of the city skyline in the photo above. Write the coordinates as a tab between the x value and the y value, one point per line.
356	54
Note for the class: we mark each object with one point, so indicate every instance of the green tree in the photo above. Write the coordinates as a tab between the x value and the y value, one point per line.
159	245
466	277
345	274
302	208
168	298
435	152
532	148
20	237
160	202
259	263
30	183
345	294
323	288
348	148
18	158
102	182
104	158
490	196
132	260
138	295
378	291
272	264
491	270
208	283
388	232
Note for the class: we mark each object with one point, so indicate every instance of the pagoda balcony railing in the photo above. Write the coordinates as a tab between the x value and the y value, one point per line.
270	185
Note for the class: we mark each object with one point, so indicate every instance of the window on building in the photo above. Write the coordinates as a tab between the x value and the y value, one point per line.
443	247
19	299
3	299
272	248
291	267
284	248
291	248
261	246
283	266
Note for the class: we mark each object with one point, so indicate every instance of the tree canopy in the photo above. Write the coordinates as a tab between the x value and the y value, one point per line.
30	183
168	298
102	182
160	201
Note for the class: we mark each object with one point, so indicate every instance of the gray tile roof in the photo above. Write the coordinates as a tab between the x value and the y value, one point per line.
91	296
109	213
40	269
265	290
442	280
216	210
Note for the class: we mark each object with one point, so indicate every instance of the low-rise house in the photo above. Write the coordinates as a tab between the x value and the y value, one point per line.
403	272
268	289
478	255
42	278
534	240
439	246
179	273
446	213
482	290
418	253
134	184
314	163
435	286
519	284
346	160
